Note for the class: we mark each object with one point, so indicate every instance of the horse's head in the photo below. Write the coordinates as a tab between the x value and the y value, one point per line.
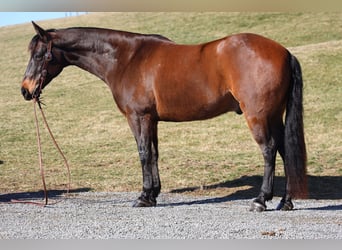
45	63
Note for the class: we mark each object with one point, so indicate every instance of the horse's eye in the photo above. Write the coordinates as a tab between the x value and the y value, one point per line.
38	57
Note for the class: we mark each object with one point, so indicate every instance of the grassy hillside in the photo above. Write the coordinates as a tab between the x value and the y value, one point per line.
218	153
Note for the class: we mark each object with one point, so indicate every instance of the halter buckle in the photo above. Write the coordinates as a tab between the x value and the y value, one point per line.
48	56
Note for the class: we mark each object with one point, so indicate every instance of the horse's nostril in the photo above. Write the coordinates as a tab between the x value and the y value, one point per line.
26	94
23	91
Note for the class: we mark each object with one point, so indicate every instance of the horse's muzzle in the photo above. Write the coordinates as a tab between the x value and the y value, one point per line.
26	93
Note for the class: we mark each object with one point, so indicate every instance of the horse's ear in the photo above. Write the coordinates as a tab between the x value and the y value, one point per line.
41	32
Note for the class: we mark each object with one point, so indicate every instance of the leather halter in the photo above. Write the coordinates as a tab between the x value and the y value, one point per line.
43	74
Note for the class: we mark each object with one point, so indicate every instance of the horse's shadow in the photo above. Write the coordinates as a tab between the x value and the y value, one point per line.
52	194
319	187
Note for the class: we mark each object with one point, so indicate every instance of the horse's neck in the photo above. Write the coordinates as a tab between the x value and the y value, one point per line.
96	51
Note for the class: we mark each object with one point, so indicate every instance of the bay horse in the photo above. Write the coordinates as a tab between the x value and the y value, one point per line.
154	79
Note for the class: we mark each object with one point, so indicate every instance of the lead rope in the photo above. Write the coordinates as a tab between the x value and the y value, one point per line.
55	143
40	157
41	167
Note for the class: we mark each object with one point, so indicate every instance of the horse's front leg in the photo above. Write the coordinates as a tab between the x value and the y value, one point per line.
144	130
154	163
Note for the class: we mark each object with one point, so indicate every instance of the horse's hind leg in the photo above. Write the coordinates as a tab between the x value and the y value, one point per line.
286	201
277	134
267	138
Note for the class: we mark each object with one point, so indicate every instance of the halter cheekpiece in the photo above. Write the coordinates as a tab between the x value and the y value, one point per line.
43	74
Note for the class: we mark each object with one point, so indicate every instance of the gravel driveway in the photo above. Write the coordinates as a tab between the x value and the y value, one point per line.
110	215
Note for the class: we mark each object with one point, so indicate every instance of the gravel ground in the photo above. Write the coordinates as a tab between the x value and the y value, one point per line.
110	216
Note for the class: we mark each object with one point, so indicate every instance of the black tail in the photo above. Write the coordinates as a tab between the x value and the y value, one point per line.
295	149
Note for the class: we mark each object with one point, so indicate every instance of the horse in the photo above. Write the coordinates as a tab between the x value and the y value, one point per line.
154	79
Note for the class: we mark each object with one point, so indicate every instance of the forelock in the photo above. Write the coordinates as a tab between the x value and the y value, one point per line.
33	43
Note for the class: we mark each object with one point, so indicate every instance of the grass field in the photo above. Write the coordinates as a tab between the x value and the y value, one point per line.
217	155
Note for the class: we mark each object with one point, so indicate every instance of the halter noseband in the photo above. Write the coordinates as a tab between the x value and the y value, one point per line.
43	74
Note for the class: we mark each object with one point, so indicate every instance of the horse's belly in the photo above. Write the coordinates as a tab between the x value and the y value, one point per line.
191	109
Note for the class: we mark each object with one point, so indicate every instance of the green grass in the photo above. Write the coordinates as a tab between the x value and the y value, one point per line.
97	140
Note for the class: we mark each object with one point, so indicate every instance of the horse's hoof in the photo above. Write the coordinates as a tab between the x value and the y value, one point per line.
257	207
285	206
141	202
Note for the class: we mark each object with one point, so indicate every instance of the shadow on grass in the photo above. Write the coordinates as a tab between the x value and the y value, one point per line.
320	187
39	194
